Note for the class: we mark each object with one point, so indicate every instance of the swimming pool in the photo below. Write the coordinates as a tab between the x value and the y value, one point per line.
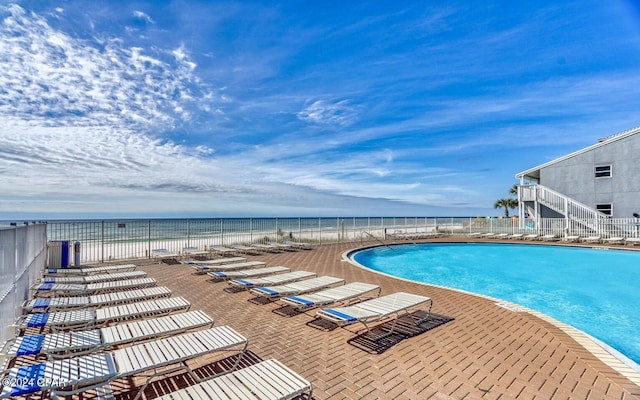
594	290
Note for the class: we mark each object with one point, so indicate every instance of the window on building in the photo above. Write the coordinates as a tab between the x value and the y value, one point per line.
603	171
604	208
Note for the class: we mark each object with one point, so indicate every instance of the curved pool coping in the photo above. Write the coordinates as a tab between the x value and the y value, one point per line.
605	353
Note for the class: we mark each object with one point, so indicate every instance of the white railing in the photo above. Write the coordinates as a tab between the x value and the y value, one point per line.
577	213
558	227
111	240
22	259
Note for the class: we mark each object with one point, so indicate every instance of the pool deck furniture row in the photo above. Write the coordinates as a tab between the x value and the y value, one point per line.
150	347
593	239
488	351
232	250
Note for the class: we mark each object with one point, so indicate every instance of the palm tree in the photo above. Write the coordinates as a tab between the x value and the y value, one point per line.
514	190
506	204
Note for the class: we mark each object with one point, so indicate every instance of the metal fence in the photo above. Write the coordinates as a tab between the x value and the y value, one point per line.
560	227
22	258
110	240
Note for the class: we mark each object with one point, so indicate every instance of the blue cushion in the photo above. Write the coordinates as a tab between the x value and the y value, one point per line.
246	283
30	345
49	280
269	291
220	274
41	303
46	286
301	300
338	314
37	320
29	378
52	271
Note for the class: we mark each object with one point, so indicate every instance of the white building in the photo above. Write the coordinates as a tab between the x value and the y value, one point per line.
599	181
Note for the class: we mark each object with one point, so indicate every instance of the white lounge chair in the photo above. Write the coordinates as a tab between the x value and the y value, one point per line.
246	249
217	261
248	273
265	380
516	236
88	270
350	292
222	250
83	319
632	241
74	375
96	300
285	246
203	269
614	240
571	238
67	344
501	236
193	251
163	254
78	289
591	239
375	310
549	238
116	276
279	279
299	245
531	236
300	287
269	248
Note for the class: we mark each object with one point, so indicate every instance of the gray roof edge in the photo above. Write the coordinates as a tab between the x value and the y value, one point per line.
604	142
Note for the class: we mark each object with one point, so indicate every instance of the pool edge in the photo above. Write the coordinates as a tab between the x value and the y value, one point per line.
597	348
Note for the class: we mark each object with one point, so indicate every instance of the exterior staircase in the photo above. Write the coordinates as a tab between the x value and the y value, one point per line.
576	214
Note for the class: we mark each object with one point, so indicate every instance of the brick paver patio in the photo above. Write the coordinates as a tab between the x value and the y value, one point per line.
486	352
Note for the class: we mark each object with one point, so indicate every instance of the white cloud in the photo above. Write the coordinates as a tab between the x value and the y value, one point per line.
84	127
325	113
143	16
46	74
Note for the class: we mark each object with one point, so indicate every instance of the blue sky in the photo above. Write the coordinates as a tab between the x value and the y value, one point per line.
289	108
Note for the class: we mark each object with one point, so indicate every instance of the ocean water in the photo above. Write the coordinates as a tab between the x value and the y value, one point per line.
211	227
594	290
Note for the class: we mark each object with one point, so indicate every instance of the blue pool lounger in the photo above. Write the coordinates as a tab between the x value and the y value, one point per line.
75	375
374	310
351	292
300	287
279	279
86	279
75	343
96	300
248	273
82	319
89	270
204	268
85	289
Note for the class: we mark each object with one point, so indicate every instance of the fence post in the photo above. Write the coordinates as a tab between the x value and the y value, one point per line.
221	232
148	238
102	241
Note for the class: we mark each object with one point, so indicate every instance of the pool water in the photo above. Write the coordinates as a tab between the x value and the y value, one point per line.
594	290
